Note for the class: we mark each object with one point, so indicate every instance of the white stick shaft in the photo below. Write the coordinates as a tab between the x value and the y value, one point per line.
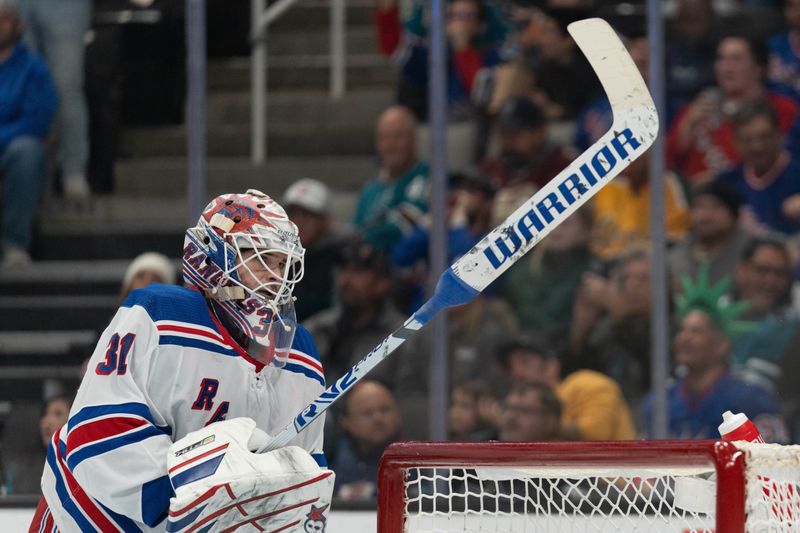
634	130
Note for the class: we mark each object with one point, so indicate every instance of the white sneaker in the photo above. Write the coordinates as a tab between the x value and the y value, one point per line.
14	257
77	191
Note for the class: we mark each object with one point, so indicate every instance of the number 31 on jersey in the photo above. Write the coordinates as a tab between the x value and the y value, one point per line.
116	355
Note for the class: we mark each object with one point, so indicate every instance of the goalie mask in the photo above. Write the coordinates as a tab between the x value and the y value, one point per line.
245	255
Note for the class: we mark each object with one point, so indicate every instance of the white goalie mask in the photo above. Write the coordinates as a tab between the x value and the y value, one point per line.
245	255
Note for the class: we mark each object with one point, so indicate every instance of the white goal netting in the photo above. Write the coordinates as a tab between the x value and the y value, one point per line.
761	494
772	487
504	500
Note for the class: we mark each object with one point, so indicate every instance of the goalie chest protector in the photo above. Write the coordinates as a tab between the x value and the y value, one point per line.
164	367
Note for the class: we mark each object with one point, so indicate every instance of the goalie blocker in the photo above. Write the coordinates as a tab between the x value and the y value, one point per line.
221	485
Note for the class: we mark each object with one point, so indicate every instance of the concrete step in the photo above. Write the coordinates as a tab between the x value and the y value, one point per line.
38	344
165	177
45	278
25	381
48	313
357	108
301	71
120	227
316	14
87	240
283	40
233	140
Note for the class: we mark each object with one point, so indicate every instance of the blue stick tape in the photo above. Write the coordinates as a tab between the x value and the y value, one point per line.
450	290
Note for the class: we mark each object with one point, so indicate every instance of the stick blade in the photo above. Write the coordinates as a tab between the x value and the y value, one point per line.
617	72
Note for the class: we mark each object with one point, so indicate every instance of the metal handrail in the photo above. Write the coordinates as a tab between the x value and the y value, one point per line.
260	20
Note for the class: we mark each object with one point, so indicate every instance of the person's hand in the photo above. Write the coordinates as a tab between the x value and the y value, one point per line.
489	410
703	109
791	207
462	202
552	110
584	311
749	222
596	289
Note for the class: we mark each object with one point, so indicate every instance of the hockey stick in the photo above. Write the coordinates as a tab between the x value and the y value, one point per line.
634	129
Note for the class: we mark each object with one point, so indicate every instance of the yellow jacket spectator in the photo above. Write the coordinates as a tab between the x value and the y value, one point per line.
622	211
593	407
593	404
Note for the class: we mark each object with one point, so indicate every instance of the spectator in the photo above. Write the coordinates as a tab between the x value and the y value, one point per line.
714	235
592	404
700	142
526	156
690	45
362	317
146	269
564	82
24	453
763	279
767	179
371	421
28	105
464	416
471	48
56	29
307	203
475	330
706	388
468	217
622	210
530	413
469	211
541	285
784	54
610	328
391	204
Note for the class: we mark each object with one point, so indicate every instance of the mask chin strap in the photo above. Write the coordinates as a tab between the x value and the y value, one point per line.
226	293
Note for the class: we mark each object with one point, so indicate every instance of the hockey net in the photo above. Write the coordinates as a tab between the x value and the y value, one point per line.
660	486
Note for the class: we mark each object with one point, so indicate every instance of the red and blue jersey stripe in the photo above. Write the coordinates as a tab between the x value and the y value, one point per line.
87	513
302	363
101	428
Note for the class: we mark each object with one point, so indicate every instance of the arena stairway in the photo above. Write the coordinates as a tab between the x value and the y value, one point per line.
52	310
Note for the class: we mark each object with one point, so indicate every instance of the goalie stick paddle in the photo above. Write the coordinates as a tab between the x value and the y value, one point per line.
634	129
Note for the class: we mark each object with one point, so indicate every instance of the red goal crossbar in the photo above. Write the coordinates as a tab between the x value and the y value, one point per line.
727	460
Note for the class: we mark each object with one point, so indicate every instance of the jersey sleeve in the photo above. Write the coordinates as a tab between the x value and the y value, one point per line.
115	442
304	352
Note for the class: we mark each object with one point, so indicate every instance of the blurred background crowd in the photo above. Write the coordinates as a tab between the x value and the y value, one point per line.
91	98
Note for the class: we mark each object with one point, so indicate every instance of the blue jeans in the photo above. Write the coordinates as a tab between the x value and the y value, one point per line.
55	29
22	172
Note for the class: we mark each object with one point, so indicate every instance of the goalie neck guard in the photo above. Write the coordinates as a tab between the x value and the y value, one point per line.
245	255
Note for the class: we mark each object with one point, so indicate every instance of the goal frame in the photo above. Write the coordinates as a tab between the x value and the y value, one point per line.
728	461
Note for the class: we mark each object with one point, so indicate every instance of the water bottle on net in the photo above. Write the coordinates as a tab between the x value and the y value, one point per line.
737	427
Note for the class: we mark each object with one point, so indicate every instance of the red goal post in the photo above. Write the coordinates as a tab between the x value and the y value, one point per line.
680	486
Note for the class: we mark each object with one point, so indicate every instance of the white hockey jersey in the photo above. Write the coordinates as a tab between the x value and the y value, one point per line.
162	368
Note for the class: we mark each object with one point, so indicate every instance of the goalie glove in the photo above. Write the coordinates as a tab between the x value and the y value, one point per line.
221	485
